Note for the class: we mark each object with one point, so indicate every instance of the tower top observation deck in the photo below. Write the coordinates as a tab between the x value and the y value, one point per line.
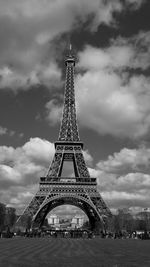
70	58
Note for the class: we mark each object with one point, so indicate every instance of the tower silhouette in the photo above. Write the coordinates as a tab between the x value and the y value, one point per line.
54	189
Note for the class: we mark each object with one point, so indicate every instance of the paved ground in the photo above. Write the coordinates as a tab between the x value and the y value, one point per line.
49	252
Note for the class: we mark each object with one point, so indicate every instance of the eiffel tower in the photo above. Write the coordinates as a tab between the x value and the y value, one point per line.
54	189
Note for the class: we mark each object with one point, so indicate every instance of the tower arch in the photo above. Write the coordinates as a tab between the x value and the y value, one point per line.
78	201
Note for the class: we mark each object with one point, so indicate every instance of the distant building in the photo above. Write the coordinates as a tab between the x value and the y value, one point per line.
146	210
77	221
53	220
124	211
65	225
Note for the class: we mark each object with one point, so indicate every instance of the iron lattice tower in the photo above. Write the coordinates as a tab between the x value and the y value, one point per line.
55	190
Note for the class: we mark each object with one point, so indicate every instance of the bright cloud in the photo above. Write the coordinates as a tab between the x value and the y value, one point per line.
21	168
124	178
6	131
49	75
127	160
54	111
113	108
117	100
3	130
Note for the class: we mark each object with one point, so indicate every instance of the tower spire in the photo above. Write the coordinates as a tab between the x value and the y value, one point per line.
69	128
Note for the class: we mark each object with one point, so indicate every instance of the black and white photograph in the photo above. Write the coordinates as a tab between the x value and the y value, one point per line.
74	133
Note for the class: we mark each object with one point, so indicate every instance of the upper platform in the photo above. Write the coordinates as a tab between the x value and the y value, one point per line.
70	58
68	180
69	143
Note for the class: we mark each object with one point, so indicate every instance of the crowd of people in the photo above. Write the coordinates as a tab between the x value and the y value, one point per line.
126	235
77	233
60	233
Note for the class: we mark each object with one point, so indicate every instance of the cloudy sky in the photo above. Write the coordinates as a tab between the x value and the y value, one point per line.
111	40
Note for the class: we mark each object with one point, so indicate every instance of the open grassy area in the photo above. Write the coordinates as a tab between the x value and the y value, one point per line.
44	252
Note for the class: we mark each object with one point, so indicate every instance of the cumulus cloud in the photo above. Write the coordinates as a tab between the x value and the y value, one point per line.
121	53
53	111
21	168
116	98
135	4
28	29
49	75
18	196
3	130
9	174
6	131
127	160
137	50
124	178
88	158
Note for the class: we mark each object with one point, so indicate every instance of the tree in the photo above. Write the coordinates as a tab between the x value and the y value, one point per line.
29	222
45	223
10	217
116	223
25	222
141	225
125	220
2	215
86	225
